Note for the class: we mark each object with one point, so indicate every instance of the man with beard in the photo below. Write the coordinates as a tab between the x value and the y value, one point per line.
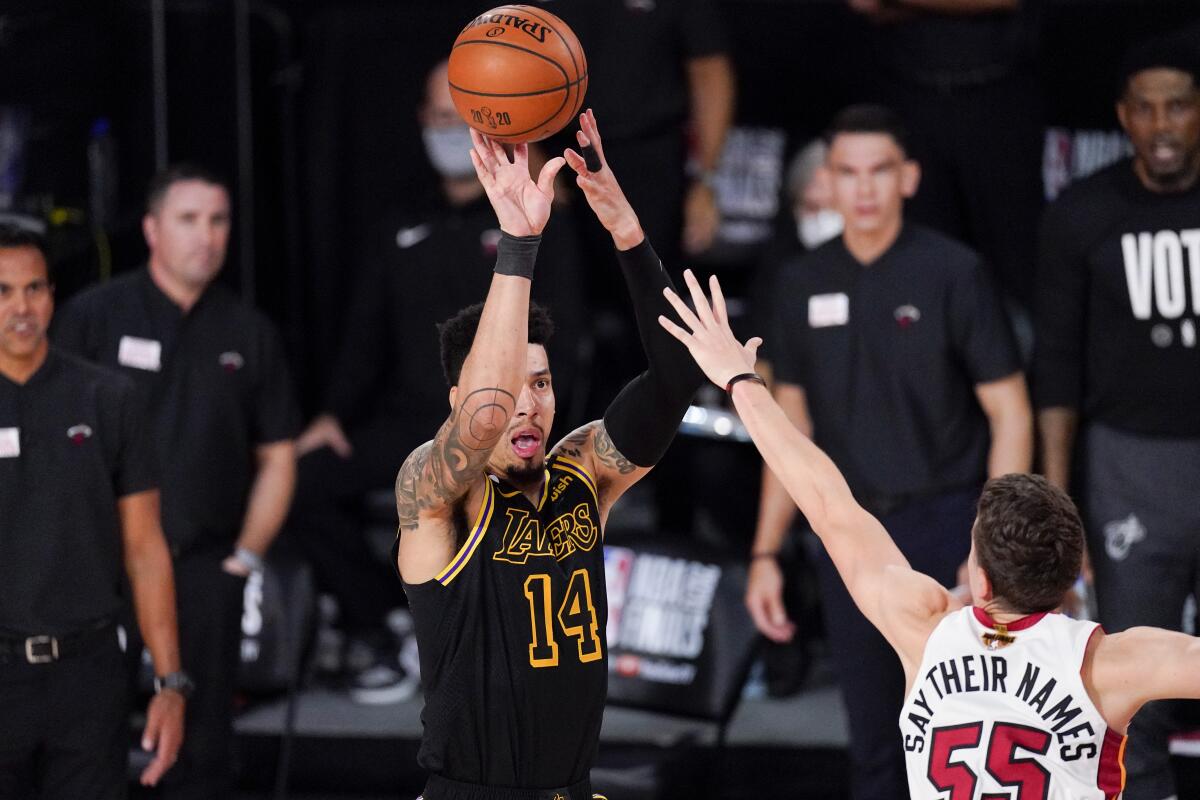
379	399
500	546
1117	361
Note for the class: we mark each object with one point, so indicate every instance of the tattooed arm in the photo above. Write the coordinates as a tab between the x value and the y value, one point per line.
593	447
448	472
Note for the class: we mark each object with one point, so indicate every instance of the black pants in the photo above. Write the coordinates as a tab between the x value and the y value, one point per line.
935	536
64	726
210	603
1141	511
326	522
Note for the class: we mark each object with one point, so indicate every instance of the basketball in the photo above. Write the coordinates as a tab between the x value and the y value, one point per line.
517	74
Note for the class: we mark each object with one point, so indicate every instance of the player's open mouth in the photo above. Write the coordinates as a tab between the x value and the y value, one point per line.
526	443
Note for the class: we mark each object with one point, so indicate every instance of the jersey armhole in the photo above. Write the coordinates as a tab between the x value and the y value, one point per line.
478	529
577	469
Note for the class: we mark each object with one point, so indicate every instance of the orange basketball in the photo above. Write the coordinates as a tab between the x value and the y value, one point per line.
517	74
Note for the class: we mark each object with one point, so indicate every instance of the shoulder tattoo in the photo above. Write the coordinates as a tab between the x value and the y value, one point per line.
607	453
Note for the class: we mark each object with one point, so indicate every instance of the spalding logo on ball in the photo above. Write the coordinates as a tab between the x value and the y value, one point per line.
517	74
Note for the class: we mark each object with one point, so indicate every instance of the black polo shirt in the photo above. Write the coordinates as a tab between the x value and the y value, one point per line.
71	444
1118	305
213	384
637	53
889	355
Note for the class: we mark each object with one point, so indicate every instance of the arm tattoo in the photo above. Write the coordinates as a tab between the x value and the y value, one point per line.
573	445
441	471
607	453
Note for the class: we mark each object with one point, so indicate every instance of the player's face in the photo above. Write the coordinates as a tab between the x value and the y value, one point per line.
26	304
870	180
189	233
521	455
1161	113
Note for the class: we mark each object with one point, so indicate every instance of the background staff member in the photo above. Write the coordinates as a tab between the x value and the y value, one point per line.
894	339
77	497
1117	320
213	383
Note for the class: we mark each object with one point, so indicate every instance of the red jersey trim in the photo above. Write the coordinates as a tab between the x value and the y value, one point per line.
1021	624
1110	776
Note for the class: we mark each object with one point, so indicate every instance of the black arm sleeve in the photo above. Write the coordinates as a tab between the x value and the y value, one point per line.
643	418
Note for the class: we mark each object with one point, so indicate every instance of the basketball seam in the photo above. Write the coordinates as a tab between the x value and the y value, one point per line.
519	94
578	100
565	85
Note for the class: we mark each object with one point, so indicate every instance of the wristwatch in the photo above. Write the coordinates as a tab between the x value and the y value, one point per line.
178	681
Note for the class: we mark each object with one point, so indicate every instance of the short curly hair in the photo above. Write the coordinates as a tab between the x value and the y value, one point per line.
457	334
1029	540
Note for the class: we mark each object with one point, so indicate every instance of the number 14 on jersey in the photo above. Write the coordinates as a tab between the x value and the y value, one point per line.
576	617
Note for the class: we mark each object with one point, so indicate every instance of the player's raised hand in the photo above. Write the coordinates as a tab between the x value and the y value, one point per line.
522	207
708	336
600	187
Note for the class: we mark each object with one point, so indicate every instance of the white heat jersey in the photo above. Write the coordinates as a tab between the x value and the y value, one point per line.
1001	713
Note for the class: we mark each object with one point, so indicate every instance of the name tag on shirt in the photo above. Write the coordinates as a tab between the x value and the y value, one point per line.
826	310
140	353
10	442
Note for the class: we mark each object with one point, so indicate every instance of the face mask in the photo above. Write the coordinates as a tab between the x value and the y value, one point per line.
449	150
816	229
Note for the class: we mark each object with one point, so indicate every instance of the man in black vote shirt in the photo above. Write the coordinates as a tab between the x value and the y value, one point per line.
894	354
78	498
213	385
382	401
1117	362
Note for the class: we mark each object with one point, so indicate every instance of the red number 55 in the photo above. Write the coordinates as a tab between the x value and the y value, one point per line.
1031	779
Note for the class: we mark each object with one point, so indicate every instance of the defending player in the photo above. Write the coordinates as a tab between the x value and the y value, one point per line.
500	546
1001	695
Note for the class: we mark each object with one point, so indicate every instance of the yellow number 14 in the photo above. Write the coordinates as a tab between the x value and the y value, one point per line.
576	616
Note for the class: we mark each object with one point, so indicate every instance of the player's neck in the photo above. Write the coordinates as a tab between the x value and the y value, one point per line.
868	246
1002	615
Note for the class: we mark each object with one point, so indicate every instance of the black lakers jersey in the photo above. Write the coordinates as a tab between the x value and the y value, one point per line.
511	638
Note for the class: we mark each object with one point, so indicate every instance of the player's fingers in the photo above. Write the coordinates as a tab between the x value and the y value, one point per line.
682	310
752	346
673	329
594	133
521	154
154	771
575	161
481	170
499	156
718	301
549	171
153	728
483	150
698	299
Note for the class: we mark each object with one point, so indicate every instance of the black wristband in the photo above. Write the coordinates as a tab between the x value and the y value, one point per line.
745	376
516	255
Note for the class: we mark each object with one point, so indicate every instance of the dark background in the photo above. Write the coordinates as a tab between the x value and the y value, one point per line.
333	87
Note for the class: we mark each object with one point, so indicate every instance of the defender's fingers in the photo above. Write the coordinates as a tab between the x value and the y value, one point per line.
587	121
698	299
752	346
673	329
682	310
718	301
576	162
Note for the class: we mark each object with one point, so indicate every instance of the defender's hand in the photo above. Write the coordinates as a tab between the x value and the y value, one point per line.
764	600
164	734
601	189
522	207
710	341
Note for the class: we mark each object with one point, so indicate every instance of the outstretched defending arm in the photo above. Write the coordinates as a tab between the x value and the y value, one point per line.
901	603
1131	668
641	422
440	473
